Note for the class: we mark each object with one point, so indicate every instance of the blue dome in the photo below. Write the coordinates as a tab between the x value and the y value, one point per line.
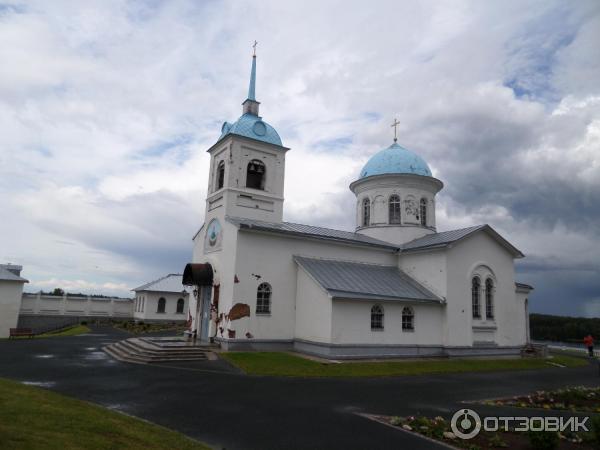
395	159
251	126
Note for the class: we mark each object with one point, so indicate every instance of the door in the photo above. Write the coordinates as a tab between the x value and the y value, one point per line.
205	313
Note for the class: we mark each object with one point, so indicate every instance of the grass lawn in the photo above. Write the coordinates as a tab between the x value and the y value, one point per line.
290	365
71	331
35	419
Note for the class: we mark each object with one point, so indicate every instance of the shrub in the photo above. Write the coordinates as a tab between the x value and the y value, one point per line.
396	421
84	322
543	440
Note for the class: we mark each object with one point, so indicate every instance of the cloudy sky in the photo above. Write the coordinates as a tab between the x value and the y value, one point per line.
107	108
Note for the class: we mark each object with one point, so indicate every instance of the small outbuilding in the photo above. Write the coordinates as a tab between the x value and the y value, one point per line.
161	300
11	291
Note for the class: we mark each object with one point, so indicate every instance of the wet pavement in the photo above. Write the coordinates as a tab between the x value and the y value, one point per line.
215	403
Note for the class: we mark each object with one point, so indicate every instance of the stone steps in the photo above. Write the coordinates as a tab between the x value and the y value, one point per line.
145	350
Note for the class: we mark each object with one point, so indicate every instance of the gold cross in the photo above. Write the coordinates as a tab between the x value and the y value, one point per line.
254	47
395	126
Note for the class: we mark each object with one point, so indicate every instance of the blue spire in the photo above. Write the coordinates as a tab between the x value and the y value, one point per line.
252	87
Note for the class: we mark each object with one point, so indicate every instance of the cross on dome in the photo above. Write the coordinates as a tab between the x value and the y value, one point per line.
395	127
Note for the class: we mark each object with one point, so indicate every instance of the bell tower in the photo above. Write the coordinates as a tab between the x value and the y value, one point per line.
247	166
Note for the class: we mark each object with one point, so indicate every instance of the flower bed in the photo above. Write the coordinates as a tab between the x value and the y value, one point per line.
579	399
439	429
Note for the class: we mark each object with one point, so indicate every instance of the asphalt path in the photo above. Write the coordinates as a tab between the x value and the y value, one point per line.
215	403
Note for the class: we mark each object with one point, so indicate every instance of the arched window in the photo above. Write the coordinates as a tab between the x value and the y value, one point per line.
408	319
423	212
263	299
162	303
180	304
220	175
475	300
376	318
255	174
394	209
489	299
366	212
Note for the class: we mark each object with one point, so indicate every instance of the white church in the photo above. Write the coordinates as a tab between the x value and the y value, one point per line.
393	288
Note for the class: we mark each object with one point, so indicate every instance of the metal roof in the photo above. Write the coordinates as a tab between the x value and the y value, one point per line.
445	238
395	159
352	280
524	286
8	275
310	231
168	283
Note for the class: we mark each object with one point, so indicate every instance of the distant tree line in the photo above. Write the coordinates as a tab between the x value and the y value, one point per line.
60	292
565	329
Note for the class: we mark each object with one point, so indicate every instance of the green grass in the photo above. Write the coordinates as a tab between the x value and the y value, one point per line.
289	365
71	331
35	419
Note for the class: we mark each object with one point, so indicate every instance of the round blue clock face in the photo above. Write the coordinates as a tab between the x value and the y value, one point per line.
213	232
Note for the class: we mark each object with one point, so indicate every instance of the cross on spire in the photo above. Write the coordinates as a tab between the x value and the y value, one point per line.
254	47
395	127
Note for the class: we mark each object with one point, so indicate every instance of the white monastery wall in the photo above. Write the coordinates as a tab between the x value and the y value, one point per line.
53	305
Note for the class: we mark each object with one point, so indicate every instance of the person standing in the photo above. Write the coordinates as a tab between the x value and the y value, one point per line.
588	341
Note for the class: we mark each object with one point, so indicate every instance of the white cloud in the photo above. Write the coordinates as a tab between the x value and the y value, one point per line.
106	109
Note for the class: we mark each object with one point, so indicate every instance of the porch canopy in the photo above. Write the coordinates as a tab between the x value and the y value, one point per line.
198	275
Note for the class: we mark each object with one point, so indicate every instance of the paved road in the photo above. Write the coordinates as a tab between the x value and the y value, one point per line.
212	402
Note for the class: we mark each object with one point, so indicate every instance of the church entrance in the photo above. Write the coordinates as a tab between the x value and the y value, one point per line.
200	277
203	322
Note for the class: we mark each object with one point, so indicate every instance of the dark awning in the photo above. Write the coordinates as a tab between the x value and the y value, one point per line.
198	275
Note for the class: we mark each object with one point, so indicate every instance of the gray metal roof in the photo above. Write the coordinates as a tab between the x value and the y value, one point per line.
8	275
524	286
445	238
310	231
168	283
351	280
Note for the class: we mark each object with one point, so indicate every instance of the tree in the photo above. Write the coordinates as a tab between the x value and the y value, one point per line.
58	291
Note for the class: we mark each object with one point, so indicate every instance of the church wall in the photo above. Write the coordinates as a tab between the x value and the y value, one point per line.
428	268
271	257
411	189
352	324
395	234
10	302
313	310
507	327
223	264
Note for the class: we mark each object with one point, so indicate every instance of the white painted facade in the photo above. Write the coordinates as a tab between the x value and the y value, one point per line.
11	289
246	244
80	306
162	300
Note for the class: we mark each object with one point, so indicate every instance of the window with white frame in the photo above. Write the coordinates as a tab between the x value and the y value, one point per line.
366	212
476	297
423	212
162	305
180	304
220	175
256	174
263	299
377	317
489	299
408	319
394	209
